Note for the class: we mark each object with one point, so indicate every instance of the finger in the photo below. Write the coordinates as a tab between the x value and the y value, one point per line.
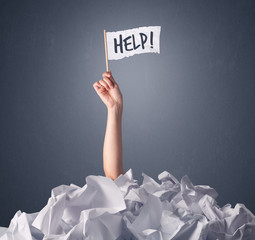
96	84
103	83
113	80
109	75
109	82
98	87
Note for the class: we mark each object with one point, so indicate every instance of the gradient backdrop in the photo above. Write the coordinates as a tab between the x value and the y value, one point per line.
188	110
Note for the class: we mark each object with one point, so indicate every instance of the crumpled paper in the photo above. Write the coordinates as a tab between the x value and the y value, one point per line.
122	209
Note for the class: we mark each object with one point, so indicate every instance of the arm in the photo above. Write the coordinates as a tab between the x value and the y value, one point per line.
109	92
112	151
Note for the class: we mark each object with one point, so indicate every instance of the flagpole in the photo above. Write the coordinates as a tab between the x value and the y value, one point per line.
106	51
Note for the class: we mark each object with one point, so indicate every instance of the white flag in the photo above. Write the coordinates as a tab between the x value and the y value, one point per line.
133	41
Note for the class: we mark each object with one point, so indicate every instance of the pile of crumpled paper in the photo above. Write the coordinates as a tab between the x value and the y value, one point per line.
123	209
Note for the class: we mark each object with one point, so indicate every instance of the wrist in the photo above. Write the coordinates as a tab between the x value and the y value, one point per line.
117	108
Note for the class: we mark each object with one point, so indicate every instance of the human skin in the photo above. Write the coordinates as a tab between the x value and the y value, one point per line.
110	94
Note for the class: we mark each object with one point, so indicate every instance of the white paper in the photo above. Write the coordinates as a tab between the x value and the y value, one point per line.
133	41
3	231
123	209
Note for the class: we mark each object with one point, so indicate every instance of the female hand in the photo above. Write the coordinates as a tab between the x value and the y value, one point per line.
109	92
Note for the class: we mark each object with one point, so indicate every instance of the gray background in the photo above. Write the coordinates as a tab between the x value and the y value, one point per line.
188	110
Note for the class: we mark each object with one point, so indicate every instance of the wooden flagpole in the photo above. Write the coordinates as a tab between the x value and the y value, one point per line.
106	51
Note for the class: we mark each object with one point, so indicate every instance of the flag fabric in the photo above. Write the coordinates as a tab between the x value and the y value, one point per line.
129	42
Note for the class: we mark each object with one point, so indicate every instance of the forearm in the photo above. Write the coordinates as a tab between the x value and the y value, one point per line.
112	150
